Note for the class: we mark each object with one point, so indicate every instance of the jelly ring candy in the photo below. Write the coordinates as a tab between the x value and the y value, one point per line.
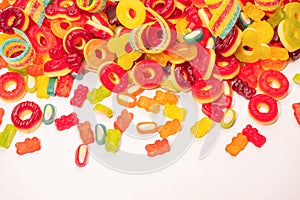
41	38
123	13
20	43
66	9
100	134
226	67
166	8
228	118
75	40
158	148
268	5
48	114
146	127
182	76
96	53
100	108
13	17
28	146
126	100
230	43
113	77
81	155
30	124
207	91
8	79
270	77
262	101
93	6
147	74
61	26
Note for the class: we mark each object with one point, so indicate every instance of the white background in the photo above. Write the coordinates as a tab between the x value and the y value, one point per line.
272	172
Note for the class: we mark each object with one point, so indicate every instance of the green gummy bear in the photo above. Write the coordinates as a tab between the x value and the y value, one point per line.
7	136
98	94
112	140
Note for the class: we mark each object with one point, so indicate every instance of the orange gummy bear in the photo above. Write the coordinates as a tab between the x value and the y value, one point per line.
28	146
237	145
170	128
165	97
149	104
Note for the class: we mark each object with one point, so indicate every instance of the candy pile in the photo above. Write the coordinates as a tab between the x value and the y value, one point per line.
210	48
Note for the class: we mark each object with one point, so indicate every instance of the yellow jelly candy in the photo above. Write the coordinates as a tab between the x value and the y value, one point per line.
124	15
173	112
202	127
289	28
253	12
251	49
264	31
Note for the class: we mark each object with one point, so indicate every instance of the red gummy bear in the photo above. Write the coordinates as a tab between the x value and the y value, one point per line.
159	147
80	95
253	136
66	121
64	86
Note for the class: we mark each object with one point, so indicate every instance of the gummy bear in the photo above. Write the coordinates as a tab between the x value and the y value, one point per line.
28	146
123	120
253	136
169	128
80	95
66	121
158	148
237	144
86	133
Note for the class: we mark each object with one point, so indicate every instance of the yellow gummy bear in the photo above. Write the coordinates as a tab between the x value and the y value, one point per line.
173	112
202	127
253	12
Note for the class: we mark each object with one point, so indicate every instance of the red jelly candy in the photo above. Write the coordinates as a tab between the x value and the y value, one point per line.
214	112
243	89
80	95
253	136
66	121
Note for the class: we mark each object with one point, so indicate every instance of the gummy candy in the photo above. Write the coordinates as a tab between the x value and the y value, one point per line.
100	108
149	104
169	128
80	95
7	135
28	146
173	112
98	94
237	144
86	133
122	122
158	148
81	155
243	89
202	127
112	140
165	97
64	86
254	136
66	121
296	108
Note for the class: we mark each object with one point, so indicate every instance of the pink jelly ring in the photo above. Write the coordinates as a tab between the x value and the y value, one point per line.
262	101
268	79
